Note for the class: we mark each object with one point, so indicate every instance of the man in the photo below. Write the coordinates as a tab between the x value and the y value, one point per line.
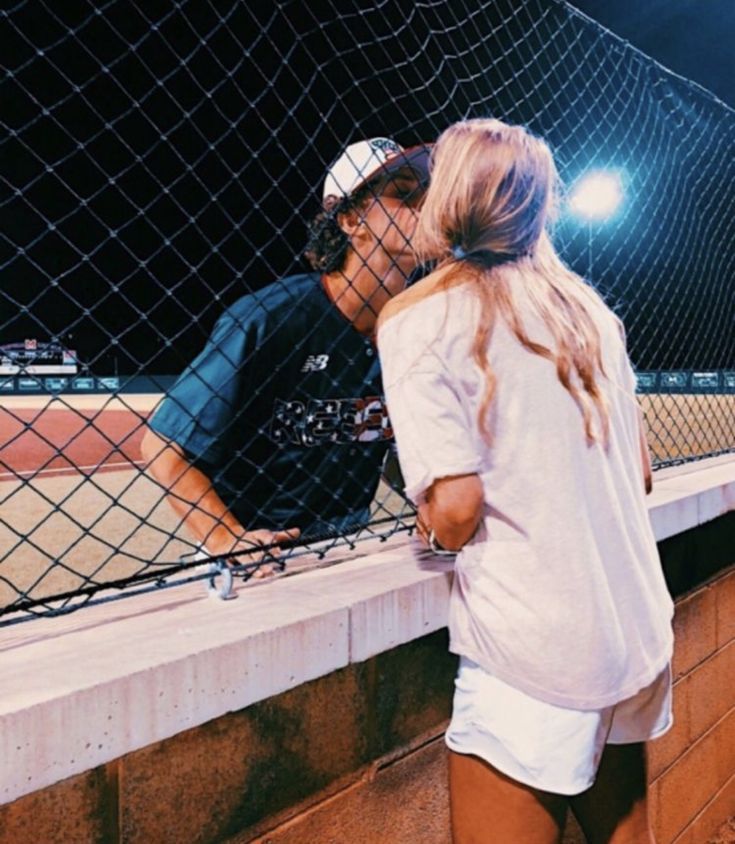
278	428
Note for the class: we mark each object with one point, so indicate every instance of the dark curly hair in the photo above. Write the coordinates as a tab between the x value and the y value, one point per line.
327	244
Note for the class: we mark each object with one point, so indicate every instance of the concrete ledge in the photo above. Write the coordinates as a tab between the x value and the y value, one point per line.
83	690
684	497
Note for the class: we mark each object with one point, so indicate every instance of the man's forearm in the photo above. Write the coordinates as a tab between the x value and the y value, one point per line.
191	495
204	513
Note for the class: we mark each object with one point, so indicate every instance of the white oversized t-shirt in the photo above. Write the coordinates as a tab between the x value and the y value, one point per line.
560	592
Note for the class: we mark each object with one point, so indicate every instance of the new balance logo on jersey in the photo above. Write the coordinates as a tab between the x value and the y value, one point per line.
315	363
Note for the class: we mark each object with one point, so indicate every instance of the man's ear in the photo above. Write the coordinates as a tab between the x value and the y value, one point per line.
350	222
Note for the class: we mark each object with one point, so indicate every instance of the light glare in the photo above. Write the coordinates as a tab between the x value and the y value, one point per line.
596	196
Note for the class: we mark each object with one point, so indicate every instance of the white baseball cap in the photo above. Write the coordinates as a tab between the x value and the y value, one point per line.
363	160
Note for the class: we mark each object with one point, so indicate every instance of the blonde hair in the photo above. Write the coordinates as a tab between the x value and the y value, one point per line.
493	192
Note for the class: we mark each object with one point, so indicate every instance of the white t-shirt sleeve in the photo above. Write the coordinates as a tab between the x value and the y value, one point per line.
628	379
433	433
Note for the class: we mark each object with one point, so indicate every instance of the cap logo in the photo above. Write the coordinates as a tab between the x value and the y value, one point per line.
385	145
358	163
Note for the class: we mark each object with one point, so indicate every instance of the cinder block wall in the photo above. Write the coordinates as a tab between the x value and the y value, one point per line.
358	756
692	767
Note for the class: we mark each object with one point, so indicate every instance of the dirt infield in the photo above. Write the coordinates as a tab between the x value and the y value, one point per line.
681	427
59	439
69	528
77	505
75	502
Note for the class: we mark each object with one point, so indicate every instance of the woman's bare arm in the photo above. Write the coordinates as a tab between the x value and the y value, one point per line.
645	457
453	510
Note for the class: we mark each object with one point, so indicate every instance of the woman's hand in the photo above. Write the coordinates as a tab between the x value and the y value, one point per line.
423	523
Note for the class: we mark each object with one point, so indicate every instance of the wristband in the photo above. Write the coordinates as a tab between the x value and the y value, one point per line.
437	548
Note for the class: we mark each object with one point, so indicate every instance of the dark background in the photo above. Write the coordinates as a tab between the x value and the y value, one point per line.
161	160
693	38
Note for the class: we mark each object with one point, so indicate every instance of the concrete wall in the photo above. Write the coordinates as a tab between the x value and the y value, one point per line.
357	755
692	768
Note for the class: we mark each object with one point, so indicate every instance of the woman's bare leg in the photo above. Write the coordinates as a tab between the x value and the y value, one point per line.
489	808
615	809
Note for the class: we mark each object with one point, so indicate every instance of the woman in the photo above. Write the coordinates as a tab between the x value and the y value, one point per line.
520	439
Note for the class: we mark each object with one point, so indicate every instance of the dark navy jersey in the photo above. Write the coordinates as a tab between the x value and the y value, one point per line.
283	411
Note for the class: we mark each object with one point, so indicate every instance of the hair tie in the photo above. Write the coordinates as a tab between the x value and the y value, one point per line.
485	257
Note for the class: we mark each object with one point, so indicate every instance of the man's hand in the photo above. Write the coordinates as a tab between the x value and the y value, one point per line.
246	548
193	496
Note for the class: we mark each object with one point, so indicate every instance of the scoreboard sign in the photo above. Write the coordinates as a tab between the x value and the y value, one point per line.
705	380
32	357
647	382
673	381
708	381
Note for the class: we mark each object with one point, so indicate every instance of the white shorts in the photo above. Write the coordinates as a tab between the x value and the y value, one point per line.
542	745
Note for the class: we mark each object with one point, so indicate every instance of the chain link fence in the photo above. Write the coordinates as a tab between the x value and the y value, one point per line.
162	164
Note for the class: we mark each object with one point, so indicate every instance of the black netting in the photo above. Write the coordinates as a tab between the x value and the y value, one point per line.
162	161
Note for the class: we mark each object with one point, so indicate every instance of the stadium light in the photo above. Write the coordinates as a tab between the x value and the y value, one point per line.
595	197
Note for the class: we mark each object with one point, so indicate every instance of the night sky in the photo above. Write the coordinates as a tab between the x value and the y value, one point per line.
162	159
693	38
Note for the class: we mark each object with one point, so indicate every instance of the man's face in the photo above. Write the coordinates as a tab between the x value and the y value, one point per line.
389	218
391	213
381	241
